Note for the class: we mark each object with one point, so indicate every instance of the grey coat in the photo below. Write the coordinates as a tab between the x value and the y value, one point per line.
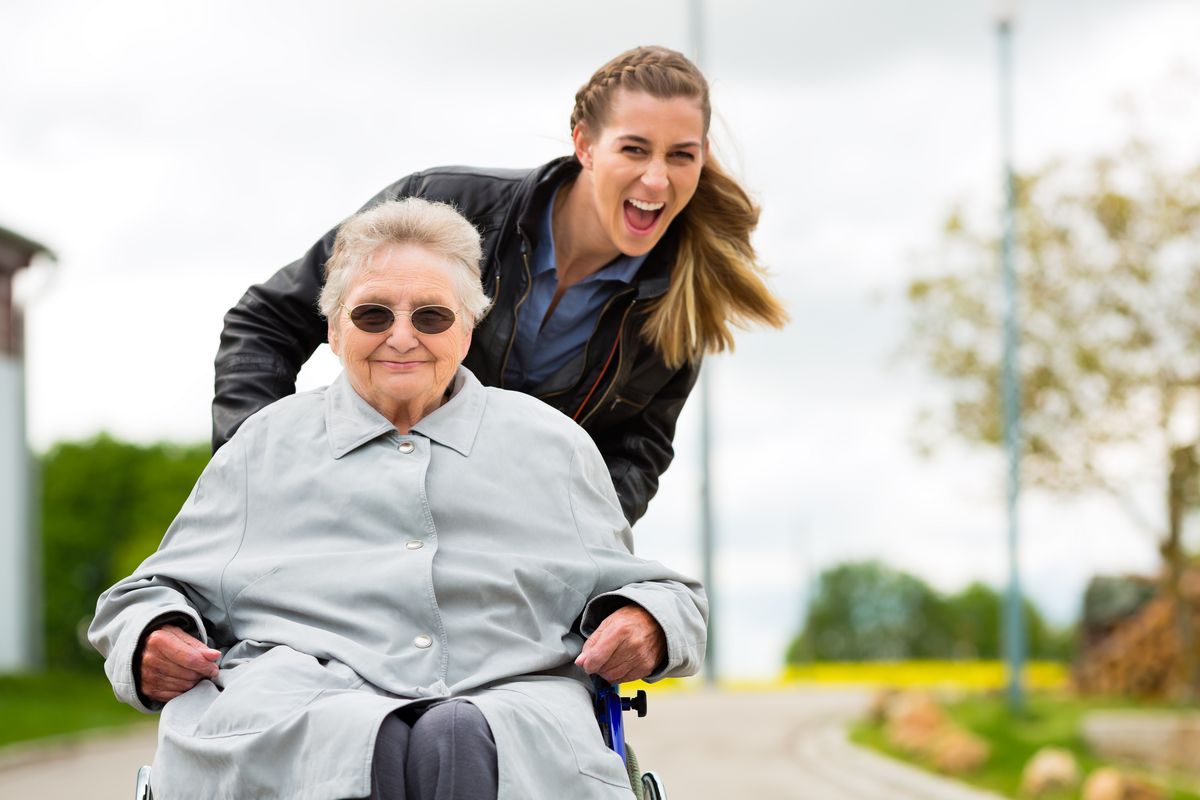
345	571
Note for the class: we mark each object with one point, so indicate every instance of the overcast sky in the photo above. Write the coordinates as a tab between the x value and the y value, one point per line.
171	155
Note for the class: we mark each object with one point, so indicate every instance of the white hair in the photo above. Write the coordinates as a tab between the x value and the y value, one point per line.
436	227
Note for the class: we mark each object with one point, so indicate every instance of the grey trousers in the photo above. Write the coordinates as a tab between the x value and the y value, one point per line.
440	752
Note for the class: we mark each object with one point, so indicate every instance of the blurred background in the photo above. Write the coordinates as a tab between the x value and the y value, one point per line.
159	158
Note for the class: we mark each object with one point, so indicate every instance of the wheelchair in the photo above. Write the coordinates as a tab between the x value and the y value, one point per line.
608	705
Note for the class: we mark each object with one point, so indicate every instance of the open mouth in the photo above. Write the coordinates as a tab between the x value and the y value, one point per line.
641	216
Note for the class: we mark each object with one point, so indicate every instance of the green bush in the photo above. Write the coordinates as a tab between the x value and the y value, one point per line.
105	506
867	611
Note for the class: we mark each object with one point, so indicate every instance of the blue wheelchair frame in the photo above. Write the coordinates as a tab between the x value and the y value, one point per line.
609	705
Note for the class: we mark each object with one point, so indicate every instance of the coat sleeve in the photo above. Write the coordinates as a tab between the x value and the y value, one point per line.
181	580
676	602
272	331
639	451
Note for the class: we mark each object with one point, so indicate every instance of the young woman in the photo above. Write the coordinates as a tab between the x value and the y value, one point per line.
612	272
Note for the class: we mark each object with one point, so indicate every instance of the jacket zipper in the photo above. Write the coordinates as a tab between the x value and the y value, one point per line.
620	354
517	308
588	345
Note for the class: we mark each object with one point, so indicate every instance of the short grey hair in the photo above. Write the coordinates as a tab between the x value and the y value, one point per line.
436	227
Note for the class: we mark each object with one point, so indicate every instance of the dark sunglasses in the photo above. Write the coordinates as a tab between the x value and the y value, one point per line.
374	318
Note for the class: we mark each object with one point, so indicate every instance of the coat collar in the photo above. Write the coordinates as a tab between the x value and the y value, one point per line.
352	421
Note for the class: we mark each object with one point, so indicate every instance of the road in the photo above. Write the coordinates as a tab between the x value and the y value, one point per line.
780	745
705	745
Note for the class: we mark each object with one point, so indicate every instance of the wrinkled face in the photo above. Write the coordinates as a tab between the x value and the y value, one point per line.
642	167
401	367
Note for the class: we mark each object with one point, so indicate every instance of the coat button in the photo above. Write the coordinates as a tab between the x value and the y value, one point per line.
423	641
407	446
414	544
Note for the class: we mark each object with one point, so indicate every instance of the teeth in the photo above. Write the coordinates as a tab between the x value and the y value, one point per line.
646	206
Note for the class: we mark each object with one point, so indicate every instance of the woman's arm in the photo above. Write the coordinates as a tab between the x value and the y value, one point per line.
675	602
180	583
267	337
639	450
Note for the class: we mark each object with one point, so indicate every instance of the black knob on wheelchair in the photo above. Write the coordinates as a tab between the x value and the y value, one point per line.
636	703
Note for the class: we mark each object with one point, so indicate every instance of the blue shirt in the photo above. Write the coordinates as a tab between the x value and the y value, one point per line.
544	347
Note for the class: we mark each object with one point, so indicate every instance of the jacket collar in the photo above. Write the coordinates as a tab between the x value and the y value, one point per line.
352	421
539	186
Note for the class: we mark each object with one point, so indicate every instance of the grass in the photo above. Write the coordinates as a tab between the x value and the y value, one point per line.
35	706
1049	720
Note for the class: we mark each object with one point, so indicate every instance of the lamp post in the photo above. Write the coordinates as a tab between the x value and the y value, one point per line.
707	530
1014	629
20	572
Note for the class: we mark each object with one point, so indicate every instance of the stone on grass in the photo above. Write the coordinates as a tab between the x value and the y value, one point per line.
881	702
914	719
1109	783
916	724
957	751
1050	770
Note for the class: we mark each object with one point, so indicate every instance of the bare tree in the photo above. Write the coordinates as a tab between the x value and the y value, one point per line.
1109	274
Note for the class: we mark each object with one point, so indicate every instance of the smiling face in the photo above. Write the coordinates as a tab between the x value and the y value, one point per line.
642	167
402	373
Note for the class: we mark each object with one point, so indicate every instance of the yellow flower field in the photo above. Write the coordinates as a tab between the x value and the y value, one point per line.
981	675
963	675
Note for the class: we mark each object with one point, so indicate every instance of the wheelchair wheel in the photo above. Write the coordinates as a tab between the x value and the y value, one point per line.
652	788
143	785
635	774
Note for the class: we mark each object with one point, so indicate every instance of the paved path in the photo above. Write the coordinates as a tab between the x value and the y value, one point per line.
705	745
90	768
779	745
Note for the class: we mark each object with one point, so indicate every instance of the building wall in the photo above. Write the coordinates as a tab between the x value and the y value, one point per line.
18	601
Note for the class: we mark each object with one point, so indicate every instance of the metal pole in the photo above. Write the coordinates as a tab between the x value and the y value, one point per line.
1014	633
707	530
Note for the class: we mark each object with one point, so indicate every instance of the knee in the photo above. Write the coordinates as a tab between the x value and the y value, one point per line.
457	725
452	755
392	739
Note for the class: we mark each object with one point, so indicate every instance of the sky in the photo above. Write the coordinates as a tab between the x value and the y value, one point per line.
173	155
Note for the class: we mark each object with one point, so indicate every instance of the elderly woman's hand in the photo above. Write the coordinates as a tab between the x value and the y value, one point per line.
173	661
627	646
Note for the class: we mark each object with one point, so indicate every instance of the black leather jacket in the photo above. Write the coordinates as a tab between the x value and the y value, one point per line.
619	391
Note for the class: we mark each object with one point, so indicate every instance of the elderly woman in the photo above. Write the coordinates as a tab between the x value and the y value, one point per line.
383	588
